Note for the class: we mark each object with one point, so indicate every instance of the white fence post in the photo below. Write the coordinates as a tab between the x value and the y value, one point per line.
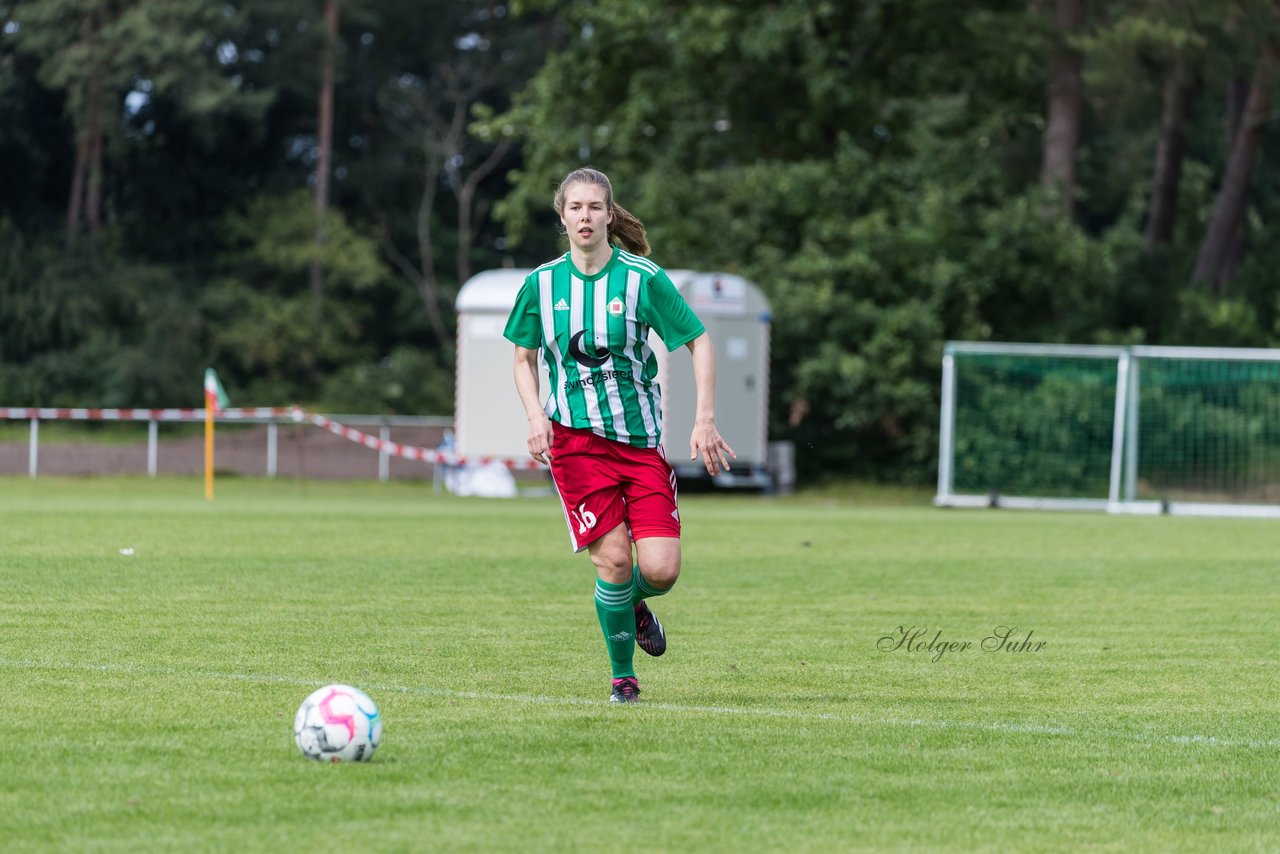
1118	431
946	430
153	443
273	445
384	459
1131	432
33	450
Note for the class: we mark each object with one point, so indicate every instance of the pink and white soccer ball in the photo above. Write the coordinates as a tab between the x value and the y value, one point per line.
338	723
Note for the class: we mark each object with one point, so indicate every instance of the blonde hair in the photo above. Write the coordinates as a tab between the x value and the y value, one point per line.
625	230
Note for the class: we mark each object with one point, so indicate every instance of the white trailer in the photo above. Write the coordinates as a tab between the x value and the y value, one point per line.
488	418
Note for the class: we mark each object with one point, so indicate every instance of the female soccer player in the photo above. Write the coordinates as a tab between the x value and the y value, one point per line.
589	313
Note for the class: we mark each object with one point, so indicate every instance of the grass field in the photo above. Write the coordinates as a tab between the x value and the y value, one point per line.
148	698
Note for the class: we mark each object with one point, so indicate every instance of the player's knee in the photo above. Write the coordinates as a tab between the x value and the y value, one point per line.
613	565
661	574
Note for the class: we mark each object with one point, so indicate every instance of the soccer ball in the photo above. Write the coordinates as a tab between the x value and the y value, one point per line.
338	723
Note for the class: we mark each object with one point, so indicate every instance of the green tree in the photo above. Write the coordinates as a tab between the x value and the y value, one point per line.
433	74
93	51
1147	53
270	333
854	159
1063	115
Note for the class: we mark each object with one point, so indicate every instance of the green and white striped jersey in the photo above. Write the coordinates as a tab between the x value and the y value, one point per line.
593	332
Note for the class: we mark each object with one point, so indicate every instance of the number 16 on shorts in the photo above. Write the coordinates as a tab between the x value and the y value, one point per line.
585	518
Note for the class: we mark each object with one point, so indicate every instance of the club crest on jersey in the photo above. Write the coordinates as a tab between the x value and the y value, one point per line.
616	307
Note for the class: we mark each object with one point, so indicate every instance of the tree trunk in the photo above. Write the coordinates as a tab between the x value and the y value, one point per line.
93	195
1162	211
1066	103
466	231
468	222
1237	96
324	137
1233	258
76	197
428	286
1214	264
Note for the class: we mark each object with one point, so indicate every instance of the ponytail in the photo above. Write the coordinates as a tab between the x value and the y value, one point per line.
625	230
628	232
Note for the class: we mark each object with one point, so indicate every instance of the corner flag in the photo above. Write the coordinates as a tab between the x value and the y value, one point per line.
215	400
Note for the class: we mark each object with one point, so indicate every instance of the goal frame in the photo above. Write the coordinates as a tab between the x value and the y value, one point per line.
1121	497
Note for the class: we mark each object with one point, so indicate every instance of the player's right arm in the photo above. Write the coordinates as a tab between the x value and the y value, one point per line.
706	438
524	329
526	374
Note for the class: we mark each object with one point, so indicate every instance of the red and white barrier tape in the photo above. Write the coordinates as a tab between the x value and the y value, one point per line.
296	413
408	452
20	413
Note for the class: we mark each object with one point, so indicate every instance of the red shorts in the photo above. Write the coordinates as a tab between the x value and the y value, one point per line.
603	484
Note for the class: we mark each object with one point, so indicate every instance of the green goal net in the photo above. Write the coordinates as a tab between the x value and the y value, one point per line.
1207	430
1034	426
1138	429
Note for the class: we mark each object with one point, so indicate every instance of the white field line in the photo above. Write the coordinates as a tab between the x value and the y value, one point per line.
744	711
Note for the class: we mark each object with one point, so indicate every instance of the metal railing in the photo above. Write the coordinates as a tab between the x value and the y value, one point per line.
272	417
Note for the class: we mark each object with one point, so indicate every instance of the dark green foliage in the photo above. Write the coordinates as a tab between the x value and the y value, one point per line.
208	225
274	337
409	380
871	165
78	328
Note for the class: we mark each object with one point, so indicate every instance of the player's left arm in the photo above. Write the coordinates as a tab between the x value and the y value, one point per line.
706	438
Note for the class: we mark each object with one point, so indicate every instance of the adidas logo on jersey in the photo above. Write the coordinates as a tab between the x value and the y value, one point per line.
561	306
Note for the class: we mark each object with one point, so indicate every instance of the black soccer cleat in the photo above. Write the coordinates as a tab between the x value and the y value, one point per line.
625	690
650	636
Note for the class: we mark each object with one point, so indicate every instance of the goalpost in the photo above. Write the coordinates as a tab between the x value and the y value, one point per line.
1182	430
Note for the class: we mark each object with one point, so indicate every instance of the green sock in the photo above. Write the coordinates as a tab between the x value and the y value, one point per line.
618	621
643	589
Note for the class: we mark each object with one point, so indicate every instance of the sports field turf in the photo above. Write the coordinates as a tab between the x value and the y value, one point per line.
148	698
